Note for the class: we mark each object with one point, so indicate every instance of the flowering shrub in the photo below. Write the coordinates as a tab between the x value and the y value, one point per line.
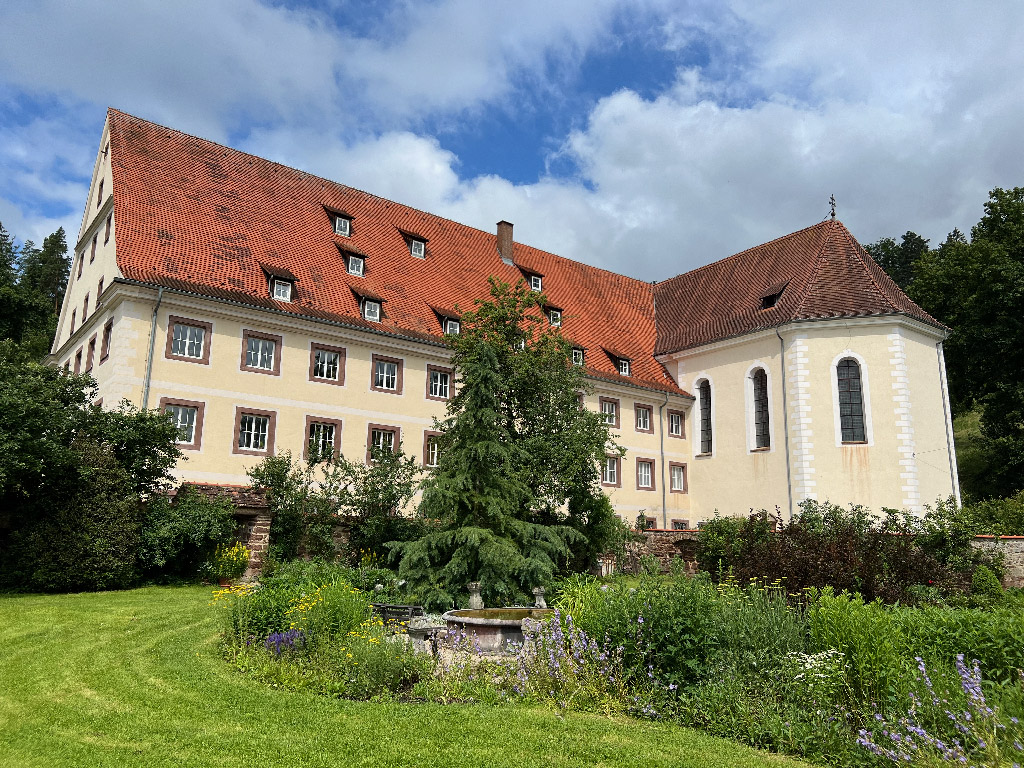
329	611
943	726
230	562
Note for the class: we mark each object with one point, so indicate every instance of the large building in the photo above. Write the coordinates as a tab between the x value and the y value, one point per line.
266	308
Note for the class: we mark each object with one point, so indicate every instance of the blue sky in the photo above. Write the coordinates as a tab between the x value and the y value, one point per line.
647	137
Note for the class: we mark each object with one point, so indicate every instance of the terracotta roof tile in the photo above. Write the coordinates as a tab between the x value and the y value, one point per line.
201	217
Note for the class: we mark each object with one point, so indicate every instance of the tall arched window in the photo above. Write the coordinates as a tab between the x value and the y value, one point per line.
762	438
704	389
851	401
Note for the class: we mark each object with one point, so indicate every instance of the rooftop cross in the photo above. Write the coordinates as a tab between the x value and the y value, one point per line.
832	204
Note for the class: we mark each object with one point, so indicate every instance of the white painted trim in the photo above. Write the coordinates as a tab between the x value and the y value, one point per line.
701	377
904	421
801	432
865	393
748	401
947	409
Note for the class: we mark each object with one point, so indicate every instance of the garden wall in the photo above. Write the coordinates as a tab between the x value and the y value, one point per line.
665	545
253	515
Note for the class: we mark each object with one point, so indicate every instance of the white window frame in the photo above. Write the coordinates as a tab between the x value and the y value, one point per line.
624	367
353	269
433	452
322	362
318	430
383	443
277	285
253	435
748	389
371	310
610	470
577	356
452	327
677	471
418	248
342	226
176	412
188	340
536	283
643	465
645	411
555	317
382	372
440	383
678	417
610	411
255	356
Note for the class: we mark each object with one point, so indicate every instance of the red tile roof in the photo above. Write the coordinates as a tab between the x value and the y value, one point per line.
200	217
822	271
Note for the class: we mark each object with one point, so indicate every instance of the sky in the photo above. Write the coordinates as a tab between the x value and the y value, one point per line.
646	137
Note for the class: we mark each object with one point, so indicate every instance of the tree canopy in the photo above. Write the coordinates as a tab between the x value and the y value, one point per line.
32	284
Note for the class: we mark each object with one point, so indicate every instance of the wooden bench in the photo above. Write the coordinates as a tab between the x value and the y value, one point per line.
395	614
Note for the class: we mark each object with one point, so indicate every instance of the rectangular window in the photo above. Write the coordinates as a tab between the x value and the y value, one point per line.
99	194
681	525
610	410
342	226
624	367
418	248
645	474
92	253
321	440
188	340
108	331
261	353
282	290
577	357
431	449
386	373
762	435
677	478
91	354
85	308
438	383
254	431
73	313
452	327
704	390
356	266
555	317
610	471
536	283
643	418
99	290
187	416
327	364
106	233
676	423
371	310
382	437
78	361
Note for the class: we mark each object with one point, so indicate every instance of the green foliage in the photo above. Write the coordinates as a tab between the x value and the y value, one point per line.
180	535
229	562
32	284
718	543
517	448
899	260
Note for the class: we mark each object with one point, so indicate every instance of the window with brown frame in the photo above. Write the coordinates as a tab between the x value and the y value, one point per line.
81	262
78	360
85	308
99	292
91	353
261	353
188	340
92	252
386	374
642	418
676	424
108	331
610	410
680	525
611	472
323	438
187	416
106	232
439	382
99	194
677	477
645	475
74	312
382	436
254	432
327	364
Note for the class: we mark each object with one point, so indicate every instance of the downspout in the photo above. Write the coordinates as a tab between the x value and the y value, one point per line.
950	445
785	421
152	342
661	436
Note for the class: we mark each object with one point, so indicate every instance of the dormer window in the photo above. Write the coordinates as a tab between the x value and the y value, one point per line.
371	310
342	226
452	327
281	290
555	317
356	265
536	283
577	356
623	367
417	248
771	298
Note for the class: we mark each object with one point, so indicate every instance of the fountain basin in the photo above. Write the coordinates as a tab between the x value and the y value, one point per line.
492	629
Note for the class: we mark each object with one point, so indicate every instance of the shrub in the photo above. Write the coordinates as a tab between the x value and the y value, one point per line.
229	563
181	535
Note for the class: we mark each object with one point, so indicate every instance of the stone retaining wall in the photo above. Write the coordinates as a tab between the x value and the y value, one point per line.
1012	550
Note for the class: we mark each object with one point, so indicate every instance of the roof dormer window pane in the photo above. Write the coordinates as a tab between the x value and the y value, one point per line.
371	310
356	265
555	316
452	327
418	248
342	226
536	283
282	290
577	357
623	367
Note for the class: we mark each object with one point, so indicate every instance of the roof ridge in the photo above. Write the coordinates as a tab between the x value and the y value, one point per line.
813	276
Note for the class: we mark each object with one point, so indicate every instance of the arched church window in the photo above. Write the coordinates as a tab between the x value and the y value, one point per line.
851	401
762	438
704	390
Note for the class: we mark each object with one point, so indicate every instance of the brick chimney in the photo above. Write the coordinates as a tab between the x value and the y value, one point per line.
505	241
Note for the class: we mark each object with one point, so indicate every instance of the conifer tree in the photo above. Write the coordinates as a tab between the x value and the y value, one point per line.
517	477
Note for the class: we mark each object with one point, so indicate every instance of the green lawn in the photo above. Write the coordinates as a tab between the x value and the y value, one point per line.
133	678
